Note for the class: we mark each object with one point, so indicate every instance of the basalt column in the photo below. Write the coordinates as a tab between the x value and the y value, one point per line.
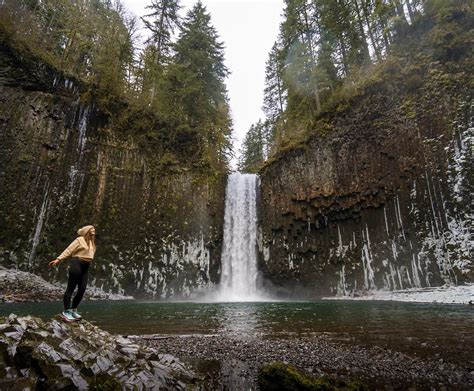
383	202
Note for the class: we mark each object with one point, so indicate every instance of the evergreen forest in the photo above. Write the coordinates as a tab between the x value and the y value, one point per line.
339	256
168	90
328	51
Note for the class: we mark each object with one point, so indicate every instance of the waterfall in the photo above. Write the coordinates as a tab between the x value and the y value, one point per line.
239	253
74	171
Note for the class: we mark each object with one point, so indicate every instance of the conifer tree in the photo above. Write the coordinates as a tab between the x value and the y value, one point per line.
196	96
274	97
366	11
162	22
298	49
112	55
252	154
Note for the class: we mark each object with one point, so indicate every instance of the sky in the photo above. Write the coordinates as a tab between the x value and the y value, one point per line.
248	30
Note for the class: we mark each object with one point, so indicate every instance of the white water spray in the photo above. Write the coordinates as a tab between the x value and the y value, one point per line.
239	254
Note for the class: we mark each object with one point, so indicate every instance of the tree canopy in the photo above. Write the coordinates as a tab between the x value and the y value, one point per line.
177	76
324	49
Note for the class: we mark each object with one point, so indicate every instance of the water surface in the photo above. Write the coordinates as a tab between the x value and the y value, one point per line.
429	330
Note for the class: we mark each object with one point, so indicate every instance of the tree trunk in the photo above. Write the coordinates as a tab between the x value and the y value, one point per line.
400	28
376	47
343	54
313	60
67	48
280	94
400	11
159	43
385	34
362	32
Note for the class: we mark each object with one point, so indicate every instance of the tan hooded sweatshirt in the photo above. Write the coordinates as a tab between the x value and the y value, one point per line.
79	248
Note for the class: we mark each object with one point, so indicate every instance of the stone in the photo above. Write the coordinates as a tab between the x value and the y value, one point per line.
283	377
129	351
24	384
87	357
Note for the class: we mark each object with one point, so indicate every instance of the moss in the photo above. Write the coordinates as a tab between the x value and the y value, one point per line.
282	377
168	159
25	158
408	107
104	383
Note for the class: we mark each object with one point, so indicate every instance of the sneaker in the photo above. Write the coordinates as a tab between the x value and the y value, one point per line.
75	314
67	316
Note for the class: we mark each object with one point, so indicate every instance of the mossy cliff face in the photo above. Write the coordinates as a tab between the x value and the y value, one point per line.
62	165
383	201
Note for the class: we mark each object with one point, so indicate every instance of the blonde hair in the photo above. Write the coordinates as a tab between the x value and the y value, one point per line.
89	238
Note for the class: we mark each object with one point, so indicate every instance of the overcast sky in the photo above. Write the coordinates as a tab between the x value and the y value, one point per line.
248	29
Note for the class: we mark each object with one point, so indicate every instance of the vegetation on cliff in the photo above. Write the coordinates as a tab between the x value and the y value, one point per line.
170	94
329	54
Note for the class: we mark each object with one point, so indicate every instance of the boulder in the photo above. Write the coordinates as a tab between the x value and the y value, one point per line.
280	376
55	356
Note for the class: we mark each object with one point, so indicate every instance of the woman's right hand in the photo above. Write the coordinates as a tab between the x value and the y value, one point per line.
54	263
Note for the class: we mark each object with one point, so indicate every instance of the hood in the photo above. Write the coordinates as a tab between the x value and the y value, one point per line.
84	230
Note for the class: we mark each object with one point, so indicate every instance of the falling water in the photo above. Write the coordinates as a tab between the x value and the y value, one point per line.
239	255
39	225
74	171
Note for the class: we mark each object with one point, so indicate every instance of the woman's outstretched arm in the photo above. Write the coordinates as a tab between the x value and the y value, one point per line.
70	250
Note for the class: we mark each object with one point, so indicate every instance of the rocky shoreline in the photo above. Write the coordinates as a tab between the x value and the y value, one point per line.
18	286
37	355
446	294
219	362
230	362
55	355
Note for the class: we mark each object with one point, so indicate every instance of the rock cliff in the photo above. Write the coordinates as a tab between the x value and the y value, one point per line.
66	162
383	200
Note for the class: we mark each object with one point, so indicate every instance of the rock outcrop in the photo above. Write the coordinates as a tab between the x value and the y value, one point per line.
37	355
383	201
65	162
18	286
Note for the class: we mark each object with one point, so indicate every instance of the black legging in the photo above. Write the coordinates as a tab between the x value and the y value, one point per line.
78	273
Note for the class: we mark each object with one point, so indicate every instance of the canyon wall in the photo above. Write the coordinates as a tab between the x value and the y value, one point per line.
384	200
63	165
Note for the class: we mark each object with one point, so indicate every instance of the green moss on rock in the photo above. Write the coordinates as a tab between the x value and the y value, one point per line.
282	377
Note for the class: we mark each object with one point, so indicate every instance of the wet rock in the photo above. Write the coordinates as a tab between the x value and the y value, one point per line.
129	351
23	384
283	377
68	153
235	363
56	355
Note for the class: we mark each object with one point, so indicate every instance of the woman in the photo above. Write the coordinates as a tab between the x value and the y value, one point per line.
82	251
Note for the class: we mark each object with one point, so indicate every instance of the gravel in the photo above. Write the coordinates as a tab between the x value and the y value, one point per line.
233	361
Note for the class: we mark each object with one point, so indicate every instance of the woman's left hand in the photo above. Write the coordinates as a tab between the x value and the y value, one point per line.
54	263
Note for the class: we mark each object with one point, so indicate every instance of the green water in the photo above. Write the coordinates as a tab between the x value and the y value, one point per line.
435	330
